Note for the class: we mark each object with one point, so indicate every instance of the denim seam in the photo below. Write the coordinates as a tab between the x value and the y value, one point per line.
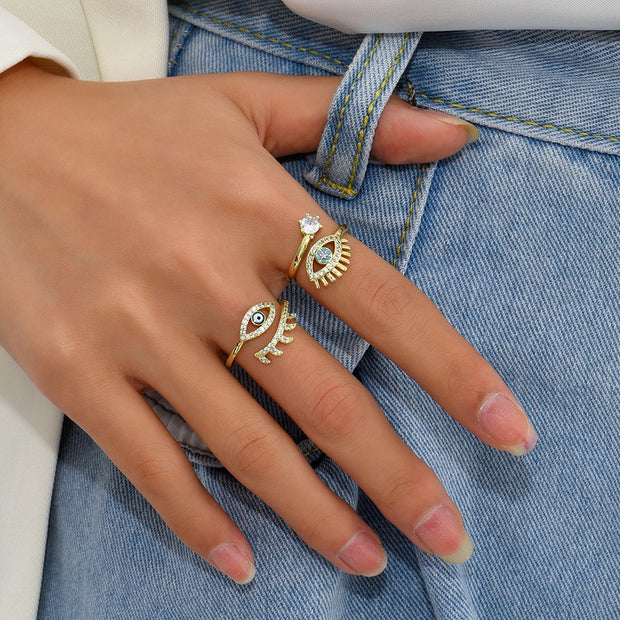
410	213
177	49
343	109
371	107
258	35
459	106
519	120
342	188
180	44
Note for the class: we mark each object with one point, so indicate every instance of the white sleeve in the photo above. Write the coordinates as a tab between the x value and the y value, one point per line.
18	42
29	423
29	434
415	15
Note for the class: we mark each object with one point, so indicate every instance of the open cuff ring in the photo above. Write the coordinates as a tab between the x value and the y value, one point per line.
262	321
332	253
309	225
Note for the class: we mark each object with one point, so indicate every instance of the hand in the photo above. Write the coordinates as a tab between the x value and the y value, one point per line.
130	252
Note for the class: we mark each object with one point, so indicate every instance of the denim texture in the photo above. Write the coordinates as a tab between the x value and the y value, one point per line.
344	151
516	240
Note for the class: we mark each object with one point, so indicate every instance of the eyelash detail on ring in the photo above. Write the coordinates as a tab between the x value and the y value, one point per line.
334	263
279	336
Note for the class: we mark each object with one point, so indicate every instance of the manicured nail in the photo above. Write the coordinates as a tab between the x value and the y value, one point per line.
229	559
441	531
472	131
507	424
364	555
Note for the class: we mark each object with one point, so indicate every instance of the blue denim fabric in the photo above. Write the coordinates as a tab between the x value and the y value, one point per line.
516	240
371	77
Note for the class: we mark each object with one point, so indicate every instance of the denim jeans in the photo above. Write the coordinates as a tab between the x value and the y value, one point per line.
515	239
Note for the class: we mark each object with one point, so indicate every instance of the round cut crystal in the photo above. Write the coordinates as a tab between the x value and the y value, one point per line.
309	224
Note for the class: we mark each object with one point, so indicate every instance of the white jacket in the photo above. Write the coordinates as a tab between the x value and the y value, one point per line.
92	39
127	39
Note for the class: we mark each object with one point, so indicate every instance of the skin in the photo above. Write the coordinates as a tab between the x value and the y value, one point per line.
113	226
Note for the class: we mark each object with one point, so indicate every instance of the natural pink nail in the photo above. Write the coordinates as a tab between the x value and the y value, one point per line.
229	559
506	423
441	531
364	555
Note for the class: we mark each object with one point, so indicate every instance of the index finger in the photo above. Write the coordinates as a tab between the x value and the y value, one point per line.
399	320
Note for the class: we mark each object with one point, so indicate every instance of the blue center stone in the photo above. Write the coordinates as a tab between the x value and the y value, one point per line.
323	256
258	318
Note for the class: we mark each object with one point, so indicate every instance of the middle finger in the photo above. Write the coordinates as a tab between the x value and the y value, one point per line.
341	417
261	455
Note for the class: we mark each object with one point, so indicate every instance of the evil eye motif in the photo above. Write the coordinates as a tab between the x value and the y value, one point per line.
279	336
334	261
323	256
258	319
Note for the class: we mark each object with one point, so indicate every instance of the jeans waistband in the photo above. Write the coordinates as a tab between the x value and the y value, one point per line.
558	86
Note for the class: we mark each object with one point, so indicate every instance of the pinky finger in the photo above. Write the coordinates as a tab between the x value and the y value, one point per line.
159	469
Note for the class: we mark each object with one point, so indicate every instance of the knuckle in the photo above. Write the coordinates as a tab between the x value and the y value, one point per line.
312	529
402	491
388	302
253	450
153	472
61	352
468	374
185	527
120	300
334	409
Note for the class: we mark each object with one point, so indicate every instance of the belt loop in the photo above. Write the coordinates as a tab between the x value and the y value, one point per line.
342	157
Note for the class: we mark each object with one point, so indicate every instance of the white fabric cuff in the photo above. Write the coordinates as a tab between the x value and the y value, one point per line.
419	15
18	42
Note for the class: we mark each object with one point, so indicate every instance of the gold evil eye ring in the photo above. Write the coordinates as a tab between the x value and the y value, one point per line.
333	262
309	225
257	318
262	324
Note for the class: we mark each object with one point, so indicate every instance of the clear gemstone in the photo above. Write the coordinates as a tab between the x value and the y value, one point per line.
309	224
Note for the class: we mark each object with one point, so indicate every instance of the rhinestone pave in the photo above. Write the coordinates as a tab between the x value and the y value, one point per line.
334	262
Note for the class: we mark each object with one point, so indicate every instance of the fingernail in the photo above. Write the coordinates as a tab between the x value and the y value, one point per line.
441	531
229	559
507	424
364	555
472	131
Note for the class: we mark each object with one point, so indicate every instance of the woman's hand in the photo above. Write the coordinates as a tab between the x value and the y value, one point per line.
130	251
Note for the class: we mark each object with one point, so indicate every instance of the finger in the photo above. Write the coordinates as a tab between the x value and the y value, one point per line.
290	113
393	315
133	437
341	417
257	451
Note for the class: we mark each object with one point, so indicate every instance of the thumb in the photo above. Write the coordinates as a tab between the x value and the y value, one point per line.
290	113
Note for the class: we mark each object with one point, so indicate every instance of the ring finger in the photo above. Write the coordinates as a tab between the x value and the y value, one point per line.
342	418
258	452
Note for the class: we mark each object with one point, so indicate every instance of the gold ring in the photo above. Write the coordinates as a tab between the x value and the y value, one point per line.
332	262
279	336
257	318
309	225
